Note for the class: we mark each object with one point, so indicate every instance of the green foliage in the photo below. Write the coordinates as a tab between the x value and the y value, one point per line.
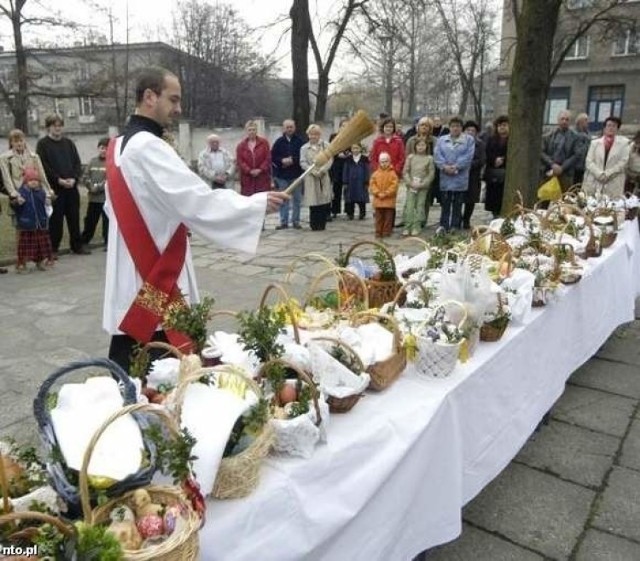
174	455
301	406
385	264
259	329
139	362
50	542
96	544
507	228
345	358
192	321
256	417
276	374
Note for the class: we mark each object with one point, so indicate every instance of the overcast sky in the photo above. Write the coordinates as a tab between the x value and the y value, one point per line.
148	19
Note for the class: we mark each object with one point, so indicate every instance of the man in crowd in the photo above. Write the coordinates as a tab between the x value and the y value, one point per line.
153	199
62	166
584	140
94	181
215	164
285	159
560	152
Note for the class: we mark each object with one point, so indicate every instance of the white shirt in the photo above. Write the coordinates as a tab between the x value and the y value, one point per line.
168	193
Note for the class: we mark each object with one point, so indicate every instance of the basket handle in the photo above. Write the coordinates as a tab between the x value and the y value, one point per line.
403	289
285	298
338	272
377	245
345	346
83	485
379	316
65	529
303	376
312	255
181	388
4	487
40	402
465	314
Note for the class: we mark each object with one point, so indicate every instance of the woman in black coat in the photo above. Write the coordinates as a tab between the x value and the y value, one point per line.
494	174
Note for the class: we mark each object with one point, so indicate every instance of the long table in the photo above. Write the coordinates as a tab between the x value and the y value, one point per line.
397	470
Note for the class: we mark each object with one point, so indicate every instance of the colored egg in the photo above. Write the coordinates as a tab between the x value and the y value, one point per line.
150	526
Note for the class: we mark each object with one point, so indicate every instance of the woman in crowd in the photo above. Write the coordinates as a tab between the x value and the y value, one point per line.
390	143
494	174
317	184
355	178
423	131
253	158
606	161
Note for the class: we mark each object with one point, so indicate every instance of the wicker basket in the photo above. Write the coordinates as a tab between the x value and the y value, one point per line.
352	290
343	404
380	291
181	545
436	359
237	475
487	242
489	331
608	238
411	240
69	492
22	532
387	371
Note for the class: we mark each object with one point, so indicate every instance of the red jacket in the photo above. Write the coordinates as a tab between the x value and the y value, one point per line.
394	147
259	158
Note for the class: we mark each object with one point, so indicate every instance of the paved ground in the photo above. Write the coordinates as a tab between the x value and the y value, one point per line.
573	492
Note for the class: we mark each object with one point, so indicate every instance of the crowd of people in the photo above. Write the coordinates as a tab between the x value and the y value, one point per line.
431	161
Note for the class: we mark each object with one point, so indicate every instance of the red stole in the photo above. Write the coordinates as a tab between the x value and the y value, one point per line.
159	271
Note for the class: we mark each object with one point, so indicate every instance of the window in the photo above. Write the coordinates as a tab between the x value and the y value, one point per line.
86	105
83	71
604	101
579	50
557	100
58	106
626	43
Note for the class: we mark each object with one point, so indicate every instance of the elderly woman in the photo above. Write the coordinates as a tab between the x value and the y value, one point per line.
215	164
253	158
606	162
423	131
317	184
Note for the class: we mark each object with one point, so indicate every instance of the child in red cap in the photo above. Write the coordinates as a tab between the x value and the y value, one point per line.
32	221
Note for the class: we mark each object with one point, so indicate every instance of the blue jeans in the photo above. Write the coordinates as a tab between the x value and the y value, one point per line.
296	199
451	213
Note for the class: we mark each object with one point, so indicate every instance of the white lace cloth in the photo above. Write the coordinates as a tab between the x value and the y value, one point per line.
299	436
335	378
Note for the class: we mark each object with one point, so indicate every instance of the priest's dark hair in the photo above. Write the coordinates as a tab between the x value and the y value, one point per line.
151	78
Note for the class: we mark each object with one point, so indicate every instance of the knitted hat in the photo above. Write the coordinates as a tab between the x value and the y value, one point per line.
30	174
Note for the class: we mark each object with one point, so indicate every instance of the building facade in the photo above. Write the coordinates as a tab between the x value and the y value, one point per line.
599	76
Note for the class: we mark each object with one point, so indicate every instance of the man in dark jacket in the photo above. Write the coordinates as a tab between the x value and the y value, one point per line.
479	159
62	165
560	152
285	159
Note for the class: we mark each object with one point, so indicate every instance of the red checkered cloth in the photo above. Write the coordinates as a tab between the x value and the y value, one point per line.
34	245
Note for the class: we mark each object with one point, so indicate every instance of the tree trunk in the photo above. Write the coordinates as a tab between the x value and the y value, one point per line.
412	83
464	101
322	97
300	31
21	102
388	85
530	80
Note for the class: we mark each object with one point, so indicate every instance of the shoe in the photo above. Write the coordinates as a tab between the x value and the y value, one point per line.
54	256
466	226
282	226
415	232
3	270
83	251
405	233
350	216
440	231
361	217
41	266
20	269
297	226
378	236
399	225
330	218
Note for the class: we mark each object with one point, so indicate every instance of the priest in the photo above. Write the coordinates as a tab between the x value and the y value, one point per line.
153	200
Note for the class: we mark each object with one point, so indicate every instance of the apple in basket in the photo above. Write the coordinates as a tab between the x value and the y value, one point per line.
287	394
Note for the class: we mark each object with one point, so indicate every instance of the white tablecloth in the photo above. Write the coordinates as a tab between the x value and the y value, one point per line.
399	467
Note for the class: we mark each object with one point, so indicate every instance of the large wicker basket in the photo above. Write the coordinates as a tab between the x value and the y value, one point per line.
58	478
183	543
352	290
22	532
237	475
383	373
380	291
608	238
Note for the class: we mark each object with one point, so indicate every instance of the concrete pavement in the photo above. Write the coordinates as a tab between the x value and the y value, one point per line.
573	491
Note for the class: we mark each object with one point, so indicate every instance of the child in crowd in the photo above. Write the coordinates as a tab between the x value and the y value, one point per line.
418	174
94	181
384	188
32	222
355	181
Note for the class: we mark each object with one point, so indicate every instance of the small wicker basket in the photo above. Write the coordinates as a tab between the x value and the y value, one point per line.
23	532
181	545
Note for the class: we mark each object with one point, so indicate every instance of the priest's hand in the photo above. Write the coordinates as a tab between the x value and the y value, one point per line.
275	199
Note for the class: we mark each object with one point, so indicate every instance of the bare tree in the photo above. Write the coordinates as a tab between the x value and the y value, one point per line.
538	30
16	93
300	34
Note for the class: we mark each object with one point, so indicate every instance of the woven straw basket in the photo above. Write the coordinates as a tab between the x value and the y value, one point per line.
66	529
183	544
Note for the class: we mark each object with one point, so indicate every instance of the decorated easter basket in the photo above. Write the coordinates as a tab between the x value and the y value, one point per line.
58	474
352	292
299	435
343	404
493	330
485	241
182	544
608	238
384	372
238	475
380	291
